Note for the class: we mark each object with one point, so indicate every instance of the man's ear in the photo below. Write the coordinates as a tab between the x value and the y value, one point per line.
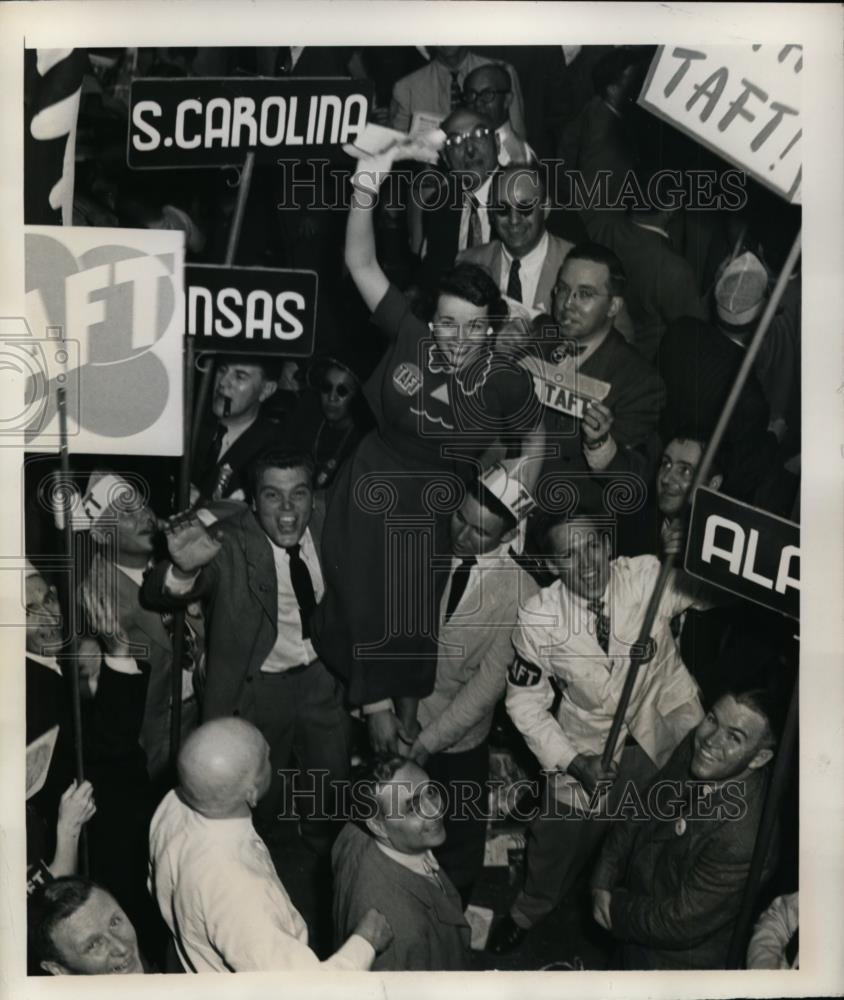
54	968
508	100
616	302
761	758
268	388
375	825
546	210
715	482
497	143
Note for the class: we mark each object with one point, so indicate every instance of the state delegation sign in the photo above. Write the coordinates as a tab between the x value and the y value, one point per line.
742	101
216	122
251	310
747	551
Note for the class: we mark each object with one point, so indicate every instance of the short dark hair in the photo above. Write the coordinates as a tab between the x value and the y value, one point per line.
487	499
720	465
599	254
611	67
765	701
473	284
271	367
514	170
379	769
279	460
49	906
543	524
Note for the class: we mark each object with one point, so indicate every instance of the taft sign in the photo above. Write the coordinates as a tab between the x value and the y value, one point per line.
742	101
745	550
216	122
244	310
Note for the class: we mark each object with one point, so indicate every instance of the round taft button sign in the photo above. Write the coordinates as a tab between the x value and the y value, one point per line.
680	827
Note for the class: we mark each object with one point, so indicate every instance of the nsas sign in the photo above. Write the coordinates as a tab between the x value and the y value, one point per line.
745	550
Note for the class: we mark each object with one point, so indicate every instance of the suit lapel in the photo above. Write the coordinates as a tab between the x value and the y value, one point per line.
260	567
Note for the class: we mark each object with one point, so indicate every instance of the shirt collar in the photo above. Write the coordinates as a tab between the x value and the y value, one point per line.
46	661
424	864
537	254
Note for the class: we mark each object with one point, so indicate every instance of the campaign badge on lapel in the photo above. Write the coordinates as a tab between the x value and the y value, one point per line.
680	827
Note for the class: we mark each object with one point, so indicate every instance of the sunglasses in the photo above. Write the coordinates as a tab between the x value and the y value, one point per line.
342	390
456	139
525	210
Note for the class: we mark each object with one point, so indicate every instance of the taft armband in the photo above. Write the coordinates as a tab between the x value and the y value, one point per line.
523	674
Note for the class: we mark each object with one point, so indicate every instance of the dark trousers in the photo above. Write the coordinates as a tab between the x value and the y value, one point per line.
560	846
464	776
301	716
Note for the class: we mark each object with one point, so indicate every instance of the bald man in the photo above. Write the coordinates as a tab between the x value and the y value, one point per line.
212	875
488	91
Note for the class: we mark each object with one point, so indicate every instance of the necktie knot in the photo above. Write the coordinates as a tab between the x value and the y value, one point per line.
456	93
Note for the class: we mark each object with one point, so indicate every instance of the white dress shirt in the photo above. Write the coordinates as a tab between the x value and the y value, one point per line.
220	895
290	649
556	637
529	269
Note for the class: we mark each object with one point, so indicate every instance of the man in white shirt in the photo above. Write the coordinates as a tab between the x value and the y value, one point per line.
577	636
524	258
437	89
259	578
212	875
488	90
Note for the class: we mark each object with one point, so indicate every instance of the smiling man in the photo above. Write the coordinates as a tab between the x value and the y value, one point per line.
577	637
669	889
387	864
259	578
524	258
79	929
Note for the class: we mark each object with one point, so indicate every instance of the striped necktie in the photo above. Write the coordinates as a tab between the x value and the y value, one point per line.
474	234
602	624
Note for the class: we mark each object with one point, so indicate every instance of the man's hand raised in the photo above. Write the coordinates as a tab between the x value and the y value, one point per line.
190	544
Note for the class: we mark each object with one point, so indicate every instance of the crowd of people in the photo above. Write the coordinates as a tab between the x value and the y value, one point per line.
439	533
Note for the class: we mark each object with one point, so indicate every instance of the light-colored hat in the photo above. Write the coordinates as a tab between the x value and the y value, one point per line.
502	483
104	489
741	291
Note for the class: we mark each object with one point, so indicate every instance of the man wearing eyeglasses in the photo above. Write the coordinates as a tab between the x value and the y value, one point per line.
458	216
488	91
524	258
618	433
437	88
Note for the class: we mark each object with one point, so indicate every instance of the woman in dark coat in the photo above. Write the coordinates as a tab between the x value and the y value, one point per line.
442	399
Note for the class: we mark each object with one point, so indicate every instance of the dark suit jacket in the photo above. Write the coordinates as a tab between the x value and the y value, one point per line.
636	398
661	286
150	642
488	256
258	438
699	365
429	929
48	705
240	595
676	895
